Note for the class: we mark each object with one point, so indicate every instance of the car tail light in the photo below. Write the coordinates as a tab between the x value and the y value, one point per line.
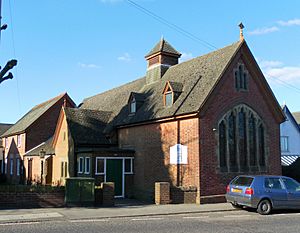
249	191
228	189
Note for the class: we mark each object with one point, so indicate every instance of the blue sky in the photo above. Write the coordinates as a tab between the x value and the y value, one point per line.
87	47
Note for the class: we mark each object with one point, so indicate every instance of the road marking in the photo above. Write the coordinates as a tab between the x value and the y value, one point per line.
146	219
88	220
237	216
29	216
19	223
196	217
288	214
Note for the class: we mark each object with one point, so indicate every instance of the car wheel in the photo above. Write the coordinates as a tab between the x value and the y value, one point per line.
264	207
236	206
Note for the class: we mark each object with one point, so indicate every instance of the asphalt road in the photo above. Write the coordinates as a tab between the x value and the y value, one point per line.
236	221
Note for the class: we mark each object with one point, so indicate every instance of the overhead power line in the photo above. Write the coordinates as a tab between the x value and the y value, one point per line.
286	84
14	51
196	38
172	25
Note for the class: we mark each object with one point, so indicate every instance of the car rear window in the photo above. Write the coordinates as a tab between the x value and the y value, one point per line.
243	181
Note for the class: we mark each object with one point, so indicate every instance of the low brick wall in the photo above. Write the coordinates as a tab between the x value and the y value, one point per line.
108	190
162	193
180	195
105	194
31	199
212	199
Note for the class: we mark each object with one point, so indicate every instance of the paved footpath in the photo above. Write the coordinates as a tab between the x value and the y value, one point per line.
118	211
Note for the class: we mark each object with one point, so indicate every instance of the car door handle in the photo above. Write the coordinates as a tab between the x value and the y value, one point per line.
268	191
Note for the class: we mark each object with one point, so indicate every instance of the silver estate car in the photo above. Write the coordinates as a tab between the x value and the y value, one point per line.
264	193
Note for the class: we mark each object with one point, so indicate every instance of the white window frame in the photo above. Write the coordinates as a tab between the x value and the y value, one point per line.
131	166
80	171
19	142
87	160
6	143
104	168
123	168
169	93
133	106
284	139
11	166
18	167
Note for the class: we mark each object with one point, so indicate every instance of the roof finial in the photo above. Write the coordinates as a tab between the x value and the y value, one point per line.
241	25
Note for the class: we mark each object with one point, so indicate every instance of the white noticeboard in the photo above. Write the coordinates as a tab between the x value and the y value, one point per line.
178	154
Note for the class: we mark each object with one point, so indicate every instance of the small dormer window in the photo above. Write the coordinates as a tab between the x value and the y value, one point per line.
135	102
171	93
168	98
241	78
133	106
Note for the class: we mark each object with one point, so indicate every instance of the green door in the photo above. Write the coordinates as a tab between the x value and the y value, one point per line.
114	173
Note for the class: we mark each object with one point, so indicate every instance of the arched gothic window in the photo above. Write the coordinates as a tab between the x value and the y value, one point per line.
241	138
242	141
252	140
222	140
261	147
232	140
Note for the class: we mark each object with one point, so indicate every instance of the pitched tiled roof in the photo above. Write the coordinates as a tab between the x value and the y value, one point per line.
45	146
163	46
31	116
86	126
4	128
139	97
197	76
290	116
176	87
113	100
297	116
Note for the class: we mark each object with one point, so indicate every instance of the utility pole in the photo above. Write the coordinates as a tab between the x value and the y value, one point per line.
10	64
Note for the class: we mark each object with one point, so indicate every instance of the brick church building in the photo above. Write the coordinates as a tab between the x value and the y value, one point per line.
196	125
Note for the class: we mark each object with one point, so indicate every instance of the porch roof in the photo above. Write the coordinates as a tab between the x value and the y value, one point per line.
45	146
109	151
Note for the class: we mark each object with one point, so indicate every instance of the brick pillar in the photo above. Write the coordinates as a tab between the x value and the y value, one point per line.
162	193
108	190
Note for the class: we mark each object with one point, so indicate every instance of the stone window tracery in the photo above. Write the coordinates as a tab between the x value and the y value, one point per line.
241	141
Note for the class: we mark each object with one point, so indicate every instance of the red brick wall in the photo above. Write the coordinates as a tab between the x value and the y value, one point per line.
44	127
14	151
32	199
153	60
224	98
152	144
179	195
